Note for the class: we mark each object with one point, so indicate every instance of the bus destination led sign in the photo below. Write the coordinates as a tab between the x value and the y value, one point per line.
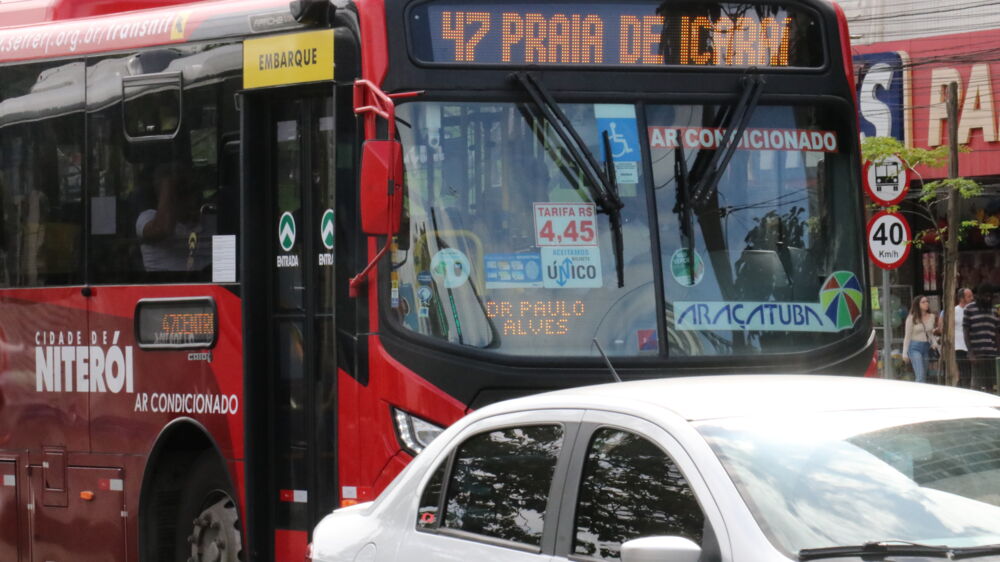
712	34
546	317
176	323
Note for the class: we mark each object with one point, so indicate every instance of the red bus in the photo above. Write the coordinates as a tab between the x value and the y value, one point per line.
254	255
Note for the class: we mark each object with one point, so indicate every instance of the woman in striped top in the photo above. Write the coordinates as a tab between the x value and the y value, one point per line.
919	338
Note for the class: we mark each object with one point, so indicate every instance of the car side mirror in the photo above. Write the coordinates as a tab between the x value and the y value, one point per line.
381	187
660	549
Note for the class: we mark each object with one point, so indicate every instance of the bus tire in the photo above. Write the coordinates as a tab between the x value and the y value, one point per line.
208	524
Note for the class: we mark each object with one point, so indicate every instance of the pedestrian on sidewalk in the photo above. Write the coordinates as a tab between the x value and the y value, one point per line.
963	297
981	326
919	338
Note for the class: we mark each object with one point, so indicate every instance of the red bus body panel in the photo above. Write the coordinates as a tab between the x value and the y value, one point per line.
100	427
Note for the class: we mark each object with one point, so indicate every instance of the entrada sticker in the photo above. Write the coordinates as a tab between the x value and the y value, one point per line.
286	238
327	238
688	269
451	267
326	229
286	231
840	305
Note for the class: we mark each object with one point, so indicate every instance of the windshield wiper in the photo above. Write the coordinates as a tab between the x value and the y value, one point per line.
615	218
696	186
974	551
600	183
876	549
683	207
880	549
734	124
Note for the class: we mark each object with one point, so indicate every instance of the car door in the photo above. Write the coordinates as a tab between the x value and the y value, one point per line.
628	478
495	494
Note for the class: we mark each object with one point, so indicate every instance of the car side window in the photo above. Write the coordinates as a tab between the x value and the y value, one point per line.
430	499
498	486
630	489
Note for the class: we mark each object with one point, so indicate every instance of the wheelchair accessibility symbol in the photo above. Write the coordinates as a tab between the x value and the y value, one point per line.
619	143
623	134
620	125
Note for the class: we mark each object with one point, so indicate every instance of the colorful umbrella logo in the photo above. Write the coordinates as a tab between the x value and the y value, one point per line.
841	299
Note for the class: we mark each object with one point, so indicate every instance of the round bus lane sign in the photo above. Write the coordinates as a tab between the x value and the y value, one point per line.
887	181
888	240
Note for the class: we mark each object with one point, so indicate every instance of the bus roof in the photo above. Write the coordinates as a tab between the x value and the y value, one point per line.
172	22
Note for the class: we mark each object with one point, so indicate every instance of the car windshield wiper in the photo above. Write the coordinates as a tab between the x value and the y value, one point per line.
735	122
966	552
876	549
600	183
879	549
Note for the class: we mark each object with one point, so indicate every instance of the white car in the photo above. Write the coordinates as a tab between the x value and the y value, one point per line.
726	468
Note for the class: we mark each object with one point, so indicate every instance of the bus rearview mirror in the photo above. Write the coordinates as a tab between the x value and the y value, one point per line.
381	187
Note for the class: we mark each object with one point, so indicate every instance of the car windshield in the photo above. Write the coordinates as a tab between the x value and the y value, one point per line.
505	248
929	476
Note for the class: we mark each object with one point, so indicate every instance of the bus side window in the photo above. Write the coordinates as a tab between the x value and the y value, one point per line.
161	176
41	143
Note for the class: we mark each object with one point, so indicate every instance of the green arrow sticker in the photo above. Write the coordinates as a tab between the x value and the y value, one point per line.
326	229
286	231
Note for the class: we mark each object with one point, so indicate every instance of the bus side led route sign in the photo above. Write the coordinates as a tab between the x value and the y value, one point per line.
184	323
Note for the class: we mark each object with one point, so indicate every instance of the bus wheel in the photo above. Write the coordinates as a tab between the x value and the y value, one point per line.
209	525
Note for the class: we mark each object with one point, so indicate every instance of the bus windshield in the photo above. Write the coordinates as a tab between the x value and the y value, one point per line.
503	247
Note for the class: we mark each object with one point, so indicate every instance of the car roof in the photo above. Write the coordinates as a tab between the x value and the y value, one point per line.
725	396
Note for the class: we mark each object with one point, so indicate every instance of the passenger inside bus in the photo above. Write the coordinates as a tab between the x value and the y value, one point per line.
175	234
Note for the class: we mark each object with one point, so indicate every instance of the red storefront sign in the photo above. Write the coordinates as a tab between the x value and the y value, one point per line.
905	83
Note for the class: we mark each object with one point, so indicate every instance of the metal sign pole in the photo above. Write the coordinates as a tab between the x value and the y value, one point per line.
889	235
886	327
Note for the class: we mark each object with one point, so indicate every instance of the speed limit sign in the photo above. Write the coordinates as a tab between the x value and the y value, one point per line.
888	240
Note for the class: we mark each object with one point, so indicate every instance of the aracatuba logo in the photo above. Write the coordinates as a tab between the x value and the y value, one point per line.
841	303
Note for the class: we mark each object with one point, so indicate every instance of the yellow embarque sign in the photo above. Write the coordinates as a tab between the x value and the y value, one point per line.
288	59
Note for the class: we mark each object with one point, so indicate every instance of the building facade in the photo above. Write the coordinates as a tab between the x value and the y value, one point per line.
905	56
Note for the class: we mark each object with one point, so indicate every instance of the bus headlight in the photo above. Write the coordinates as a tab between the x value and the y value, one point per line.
414	433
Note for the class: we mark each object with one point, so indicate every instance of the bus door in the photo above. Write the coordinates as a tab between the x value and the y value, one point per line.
289	162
